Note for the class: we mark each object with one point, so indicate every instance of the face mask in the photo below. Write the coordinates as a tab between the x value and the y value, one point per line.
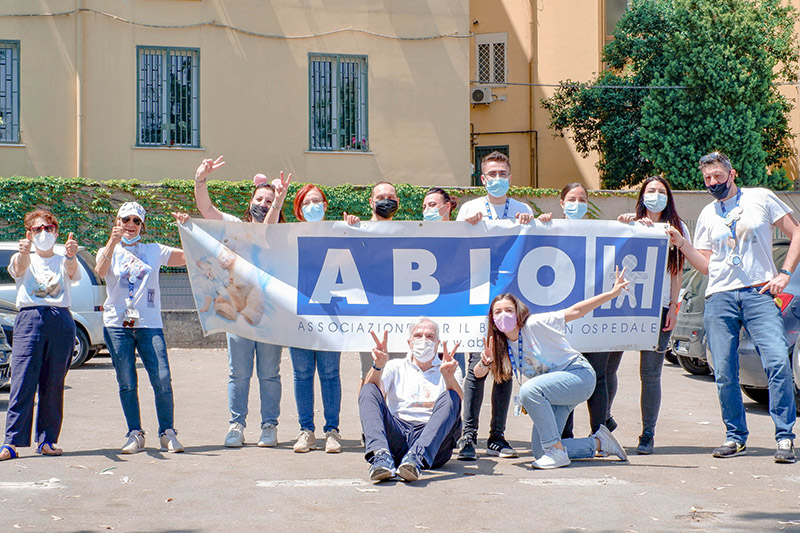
258	212
314	211
432	213
126	240
386	208
719	190
575	210
505	322
497	187
423	350
44	240
655	202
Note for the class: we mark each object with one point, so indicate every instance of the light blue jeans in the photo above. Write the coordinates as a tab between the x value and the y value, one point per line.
549	398
304	363
242	353
123	345
725	314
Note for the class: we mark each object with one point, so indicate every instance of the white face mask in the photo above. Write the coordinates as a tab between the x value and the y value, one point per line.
423	350
44	240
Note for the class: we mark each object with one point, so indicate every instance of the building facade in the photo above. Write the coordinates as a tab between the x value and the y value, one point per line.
355	91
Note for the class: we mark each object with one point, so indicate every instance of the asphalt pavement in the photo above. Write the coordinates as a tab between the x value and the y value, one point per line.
93	487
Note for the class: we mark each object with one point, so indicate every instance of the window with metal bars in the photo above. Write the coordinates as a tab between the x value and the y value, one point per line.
9	92
490	54
168	96
337	103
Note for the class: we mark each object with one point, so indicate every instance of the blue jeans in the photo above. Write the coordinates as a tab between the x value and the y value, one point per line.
549	398
241	354
123	344
327	364
725	314
43	344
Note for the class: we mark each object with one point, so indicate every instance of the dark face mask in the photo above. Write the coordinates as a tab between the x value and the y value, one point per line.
258	212
386	208
719	190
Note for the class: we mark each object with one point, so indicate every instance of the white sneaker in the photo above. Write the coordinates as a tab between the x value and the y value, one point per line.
333	442
235	436
269	436
135	442
170	443
553	458
306	441
608	444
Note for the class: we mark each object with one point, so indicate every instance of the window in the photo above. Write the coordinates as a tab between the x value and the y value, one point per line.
614	9
337	103
9	92
169	106
490	53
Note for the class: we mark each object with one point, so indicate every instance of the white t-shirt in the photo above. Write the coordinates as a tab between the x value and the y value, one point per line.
410	392
44	282
760	209
478	205
141	263
665	296
545	347
230	218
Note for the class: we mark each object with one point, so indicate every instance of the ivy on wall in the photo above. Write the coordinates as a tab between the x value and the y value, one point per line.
88	207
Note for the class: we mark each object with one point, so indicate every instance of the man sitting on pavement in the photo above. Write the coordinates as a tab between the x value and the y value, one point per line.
410	408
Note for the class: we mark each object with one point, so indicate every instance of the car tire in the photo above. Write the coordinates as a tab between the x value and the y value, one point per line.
92	353
670	356
757	395
693	365
81	348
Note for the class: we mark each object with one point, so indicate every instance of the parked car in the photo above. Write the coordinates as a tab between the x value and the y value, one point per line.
689	339
87	295
5	346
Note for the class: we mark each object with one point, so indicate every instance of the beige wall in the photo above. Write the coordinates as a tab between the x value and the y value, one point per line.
253	90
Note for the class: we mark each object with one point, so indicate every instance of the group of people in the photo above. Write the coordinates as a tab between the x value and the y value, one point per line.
410	403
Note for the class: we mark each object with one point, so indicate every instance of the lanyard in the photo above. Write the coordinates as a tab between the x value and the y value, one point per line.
489	211
733	216
516	366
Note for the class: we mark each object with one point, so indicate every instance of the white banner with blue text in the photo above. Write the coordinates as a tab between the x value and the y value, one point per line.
327	285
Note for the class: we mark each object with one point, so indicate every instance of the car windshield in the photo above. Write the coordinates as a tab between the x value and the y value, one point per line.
5	259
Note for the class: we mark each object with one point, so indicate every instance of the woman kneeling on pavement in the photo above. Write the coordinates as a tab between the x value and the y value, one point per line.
556	376
132	322
44	335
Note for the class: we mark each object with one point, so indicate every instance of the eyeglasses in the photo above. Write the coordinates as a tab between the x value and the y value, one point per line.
502	174
714	157
136	221
49	228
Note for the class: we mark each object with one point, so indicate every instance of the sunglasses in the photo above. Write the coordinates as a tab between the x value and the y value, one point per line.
129	323
49	228
136	221
714	157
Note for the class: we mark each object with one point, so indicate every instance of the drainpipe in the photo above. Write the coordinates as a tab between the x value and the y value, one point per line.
79	90
532	136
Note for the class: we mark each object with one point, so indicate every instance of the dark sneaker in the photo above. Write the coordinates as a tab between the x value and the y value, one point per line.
466	449
646	444
500	448
409	468
731	448
382	466
785	452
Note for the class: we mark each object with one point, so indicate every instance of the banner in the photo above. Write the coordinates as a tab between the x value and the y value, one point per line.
326	285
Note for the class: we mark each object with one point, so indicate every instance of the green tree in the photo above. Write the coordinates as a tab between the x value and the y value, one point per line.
717	62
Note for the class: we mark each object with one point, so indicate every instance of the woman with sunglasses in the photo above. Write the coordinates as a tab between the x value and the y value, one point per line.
132	322
44	334
553	376
244	352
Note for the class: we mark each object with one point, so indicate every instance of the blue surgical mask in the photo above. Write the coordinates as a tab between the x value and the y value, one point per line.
497	187
575	210
655	202
432	213
129	242
314	212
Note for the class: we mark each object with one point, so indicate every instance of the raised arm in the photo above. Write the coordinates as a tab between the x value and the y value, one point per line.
201	197
698	258
379	359
281	190
581	308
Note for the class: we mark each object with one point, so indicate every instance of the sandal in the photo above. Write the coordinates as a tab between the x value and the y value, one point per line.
12	453
47	448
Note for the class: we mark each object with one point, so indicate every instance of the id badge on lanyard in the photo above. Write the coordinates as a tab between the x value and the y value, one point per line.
516	368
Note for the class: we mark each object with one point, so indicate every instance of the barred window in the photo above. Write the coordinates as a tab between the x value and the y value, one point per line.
168	97
337	103
9	92
490	53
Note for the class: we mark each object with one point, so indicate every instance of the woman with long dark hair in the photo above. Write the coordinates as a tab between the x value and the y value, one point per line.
654	204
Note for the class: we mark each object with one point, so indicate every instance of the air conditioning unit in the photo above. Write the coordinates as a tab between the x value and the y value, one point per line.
480	95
